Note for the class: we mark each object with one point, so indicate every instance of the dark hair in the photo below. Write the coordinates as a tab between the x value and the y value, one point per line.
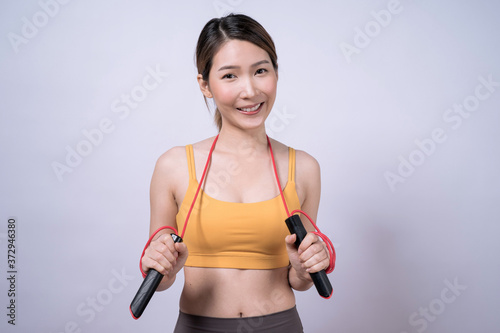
218	31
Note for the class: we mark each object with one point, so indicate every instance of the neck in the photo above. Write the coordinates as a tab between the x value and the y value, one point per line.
238	141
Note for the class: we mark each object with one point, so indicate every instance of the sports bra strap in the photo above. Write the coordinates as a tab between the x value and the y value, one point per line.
291	164
190	160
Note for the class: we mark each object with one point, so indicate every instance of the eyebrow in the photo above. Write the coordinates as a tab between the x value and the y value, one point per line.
237	67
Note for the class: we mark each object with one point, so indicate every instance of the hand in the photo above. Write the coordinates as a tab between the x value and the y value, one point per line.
311	256
165	256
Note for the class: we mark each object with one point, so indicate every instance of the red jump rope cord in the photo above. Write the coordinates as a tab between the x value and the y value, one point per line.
328	242
199	186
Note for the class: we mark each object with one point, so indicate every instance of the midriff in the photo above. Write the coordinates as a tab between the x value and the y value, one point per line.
232	293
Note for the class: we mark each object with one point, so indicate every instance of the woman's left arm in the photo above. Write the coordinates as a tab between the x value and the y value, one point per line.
312	254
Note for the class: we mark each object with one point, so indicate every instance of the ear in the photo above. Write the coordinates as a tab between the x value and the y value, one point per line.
205	89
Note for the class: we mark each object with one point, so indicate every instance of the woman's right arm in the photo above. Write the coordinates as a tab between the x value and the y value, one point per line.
163	254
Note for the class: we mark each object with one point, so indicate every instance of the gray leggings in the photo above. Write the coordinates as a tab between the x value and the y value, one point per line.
287	321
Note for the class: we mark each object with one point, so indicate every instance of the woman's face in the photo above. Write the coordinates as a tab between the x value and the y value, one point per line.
243	83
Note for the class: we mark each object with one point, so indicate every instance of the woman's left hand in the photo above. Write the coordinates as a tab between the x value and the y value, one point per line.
311	256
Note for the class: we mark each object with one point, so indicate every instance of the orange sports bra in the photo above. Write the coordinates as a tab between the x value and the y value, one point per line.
224	234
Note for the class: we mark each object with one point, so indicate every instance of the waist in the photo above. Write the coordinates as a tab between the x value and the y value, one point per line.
287	321
234	293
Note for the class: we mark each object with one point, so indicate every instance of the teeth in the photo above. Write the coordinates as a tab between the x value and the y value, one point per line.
251	109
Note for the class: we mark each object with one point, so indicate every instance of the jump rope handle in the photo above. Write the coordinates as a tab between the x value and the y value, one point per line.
320	279
147	288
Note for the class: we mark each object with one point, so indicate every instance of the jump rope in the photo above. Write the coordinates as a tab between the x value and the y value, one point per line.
153	278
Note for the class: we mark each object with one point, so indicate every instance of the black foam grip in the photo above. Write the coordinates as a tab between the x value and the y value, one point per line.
320	278
147	288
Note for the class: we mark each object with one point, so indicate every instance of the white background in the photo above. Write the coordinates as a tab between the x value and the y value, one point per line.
399	247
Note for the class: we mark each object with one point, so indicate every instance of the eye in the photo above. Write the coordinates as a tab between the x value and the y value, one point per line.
261	71
229	76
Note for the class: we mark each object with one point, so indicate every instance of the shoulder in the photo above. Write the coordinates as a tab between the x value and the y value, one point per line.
306	163
176	155
170	174
171	159
307	179
203	145
308	182
173	164
171	168
175	158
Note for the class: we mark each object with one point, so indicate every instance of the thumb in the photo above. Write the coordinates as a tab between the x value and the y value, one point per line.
181	248
290	240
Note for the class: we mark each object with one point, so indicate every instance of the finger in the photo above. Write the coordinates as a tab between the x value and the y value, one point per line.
165	243
290	239
167	249
292	249
181	250
165	258
160	257
318	267
167	240
317	262
315	259
307	242
180	247
161	266
316	250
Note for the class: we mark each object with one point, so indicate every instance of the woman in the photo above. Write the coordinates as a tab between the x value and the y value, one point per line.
240	263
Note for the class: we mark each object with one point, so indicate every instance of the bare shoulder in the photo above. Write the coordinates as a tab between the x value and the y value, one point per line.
165	183
172	164
203	145
175	155
306	163
308	181
170	177
171	160
170	170
308	185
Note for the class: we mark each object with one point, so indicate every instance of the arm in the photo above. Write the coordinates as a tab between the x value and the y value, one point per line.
312	255
163	254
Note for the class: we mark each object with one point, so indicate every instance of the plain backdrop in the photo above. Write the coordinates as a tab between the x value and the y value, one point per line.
397	100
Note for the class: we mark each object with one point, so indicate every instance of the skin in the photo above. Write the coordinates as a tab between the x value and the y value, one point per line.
241	76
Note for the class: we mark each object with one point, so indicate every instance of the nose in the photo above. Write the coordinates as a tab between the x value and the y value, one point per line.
248	88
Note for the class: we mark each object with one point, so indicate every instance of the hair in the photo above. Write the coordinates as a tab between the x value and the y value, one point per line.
219	31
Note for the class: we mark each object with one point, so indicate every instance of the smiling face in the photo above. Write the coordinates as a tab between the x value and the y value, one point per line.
242	82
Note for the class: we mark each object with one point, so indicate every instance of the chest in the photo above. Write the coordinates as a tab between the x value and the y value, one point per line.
244	179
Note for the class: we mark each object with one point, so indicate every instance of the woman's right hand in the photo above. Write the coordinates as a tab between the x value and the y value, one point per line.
164	256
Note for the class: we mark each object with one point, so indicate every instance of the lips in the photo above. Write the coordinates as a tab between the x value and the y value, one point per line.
251	109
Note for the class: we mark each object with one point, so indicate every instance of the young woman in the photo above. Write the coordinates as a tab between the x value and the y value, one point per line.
240	262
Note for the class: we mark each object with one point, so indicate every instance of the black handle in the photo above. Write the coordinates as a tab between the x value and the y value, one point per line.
320	278
147	288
